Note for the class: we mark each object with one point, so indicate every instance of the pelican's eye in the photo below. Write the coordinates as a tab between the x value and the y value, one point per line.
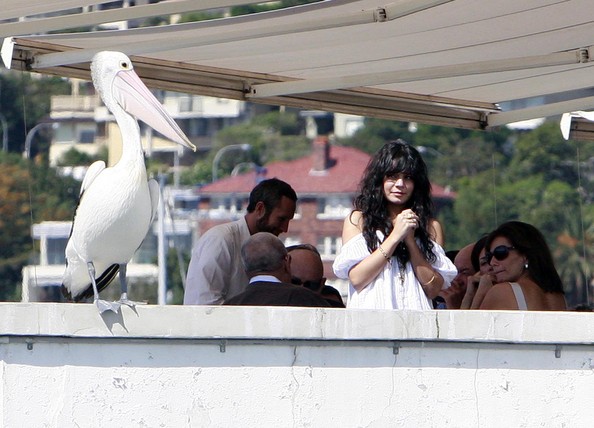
125	65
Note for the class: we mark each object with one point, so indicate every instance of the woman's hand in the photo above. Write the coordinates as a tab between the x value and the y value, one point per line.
472	283
453	296
485	284
476	289
404	226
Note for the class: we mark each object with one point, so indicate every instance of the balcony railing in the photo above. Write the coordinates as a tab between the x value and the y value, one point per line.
69	103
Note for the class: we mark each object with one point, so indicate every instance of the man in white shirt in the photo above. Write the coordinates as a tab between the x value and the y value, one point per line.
215	273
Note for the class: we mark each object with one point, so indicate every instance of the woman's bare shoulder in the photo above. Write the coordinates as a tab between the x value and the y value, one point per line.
500	297
353	225
355	218
556	302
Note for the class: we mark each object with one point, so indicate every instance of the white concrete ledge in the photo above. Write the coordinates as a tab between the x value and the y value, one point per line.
208	322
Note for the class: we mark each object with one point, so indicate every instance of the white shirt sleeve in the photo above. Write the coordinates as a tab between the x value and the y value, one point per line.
215	272
351	253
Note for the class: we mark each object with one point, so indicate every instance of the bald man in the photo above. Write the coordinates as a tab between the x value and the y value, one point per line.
455	293
307	270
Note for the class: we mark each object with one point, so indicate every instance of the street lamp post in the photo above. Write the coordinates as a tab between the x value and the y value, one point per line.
217	157
4	133
31	134
243	165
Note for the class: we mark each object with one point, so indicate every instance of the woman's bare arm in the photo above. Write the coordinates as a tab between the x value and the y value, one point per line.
436	232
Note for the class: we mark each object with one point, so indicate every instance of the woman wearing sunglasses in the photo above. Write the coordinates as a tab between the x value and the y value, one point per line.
391	253
524	274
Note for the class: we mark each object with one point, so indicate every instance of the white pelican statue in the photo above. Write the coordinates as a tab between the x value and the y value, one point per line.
117	204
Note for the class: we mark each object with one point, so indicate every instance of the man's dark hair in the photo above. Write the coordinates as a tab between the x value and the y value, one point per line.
270	193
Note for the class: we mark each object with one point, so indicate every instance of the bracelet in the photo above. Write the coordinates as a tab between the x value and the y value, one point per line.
386	256
430	281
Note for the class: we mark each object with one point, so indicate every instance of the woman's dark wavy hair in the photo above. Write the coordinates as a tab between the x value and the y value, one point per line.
394	158
530	242
476	252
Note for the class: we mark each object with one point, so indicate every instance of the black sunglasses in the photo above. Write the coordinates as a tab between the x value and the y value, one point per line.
500	253
311	285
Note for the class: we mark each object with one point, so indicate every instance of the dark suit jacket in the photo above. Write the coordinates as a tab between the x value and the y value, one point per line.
332	296
264	293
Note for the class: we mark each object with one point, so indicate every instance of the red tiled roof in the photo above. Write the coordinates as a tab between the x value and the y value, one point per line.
346	165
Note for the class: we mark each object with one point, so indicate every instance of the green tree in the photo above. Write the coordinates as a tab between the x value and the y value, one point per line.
572	256
376	132
29	193
15	212
273	136
175	282
544	151
24	101
73	157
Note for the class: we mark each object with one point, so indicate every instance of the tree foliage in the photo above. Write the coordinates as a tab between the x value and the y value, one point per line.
24	102
73	157
30	192
272	136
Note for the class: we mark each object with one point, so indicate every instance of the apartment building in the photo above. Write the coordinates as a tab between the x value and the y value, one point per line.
81	121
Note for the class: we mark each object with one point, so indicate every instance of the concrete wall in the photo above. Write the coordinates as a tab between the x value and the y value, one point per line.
66	365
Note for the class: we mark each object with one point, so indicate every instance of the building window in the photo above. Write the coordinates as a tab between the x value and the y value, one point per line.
334	207
198	128
329	246
56	248
185	104
291	240
86	136
101	129
226	207
186	203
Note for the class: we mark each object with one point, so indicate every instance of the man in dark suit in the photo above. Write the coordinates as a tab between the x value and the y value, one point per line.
268	266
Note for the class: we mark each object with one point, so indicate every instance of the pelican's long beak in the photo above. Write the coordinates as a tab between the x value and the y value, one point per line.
136	99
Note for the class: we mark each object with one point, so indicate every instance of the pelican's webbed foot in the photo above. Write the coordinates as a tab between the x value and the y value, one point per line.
124	284
130	303
104	305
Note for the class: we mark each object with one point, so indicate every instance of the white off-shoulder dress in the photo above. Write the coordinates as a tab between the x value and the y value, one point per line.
391	289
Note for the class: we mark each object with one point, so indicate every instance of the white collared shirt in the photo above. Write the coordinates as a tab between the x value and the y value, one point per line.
216	272
265	278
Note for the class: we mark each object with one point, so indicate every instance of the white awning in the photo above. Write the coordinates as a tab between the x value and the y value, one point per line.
463	63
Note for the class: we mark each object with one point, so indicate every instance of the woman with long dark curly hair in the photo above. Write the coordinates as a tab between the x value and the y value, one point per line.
524	275
391	251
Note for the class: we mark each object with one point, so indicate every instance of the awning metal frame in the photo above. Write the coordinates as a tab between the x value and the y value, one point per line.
209	81
577	56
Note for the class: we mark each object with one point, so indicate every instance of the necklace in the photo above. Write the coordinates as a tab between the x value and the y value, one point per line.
401	275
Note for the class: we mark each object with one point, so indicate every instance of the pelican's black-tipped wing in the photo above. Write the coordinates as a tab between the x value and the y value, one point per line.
103	281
